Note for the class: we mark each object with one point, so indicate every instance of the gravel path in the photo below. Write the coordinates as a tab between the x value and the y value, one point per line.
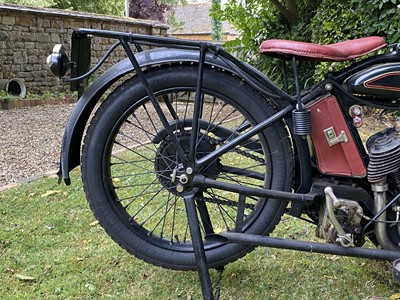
31	138
30	141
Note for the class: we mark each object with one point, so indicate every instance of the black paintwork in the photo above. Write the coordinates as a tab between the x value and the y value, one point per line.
381	81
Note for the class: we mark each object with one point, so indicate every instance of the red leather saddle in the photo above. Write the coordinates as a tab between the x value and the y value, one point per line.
315	52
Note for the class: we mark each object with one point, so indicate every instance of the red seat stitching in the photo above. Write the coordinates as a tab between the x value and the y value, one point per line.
354	49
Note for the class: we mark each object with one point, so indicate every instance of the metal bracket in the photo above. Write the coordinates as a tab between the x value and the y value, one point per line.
333	139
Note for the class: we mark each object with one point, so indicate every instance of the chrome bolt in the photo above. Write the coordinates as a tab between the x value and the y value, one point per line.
179	188
328	86
189	171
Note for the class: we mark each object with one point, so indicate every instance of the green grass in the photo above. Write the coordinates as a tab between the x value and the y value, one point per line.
52	239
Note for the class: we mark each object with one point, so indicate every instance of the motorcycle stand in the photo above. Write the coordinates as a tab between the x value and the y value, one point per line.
198	245
200	255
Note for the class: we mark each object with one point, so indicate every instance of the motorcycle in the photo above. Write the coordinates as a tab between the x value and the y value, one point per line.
192	159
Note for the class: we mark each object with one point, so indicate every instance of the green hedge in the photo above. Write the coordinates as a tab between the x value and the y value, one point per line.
321	21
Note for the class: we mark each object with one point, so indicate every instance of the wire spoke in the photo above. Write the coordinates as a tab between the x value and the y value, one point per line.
144	160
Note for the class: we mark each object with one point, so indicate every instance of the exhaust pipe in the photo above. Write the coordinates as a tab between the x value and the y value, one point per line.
379	190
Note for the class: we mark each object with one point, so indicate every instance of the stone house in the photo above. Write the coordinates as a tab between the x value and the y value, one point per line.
197	23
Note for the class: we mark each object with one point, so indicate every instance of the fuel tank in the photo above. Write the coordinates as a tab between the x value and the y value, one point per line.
382	81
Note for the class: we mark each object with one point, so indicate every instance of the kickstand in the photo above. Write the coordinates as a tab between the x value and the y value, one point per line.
198	246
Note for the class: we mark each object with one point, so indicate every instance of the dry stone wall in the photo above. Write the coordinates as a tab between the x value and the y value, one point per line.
27	37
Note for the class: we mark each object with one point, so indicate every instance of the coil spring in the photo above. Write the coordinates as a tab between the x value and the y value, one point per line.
301	122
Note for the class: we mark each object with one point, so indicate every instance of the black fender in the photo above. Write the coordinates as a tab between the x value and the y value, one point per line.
73	134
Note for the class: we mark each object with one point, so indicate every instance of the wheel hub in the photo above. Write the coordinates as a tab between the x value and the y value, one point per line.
169	169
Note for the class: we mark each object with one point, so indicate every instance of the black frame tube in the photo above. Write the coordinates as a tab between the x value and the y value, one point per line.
198	103
209	158
199	181
259	240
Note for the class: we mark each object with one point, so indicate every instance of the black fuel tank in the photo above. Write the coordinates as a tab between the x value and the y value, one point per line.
378	81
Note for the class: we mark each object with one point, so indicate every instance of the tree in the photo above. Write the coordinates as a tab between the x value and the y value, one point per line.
106	7
109	7
318	21
147	9
151	9
216	21
288	9
38	3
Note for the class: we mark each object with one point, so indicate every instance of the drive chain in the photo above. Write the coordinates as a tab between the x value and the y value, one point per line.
219	142
223	202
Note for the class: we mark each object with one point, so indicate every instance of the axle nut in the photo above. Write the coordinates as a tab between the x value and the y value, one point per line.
183	179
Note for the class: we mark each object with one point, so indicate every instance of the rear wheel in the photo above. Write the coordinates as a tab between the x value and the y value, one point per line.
131	169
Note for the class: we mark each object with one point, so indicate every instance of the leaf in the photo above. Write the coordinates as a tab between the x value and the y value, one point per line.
94	223
395	296
25	277
47	268
90	287
50	193
50	226
218	230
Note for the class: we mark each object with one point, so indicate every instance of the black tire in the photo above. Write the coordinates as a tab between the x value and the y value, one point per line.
128	160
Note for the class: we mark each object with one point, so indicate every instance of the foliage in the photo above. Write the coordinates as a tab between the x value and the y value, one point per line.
338	20
107	7
151	9
321	21
38	3
147	9
173	22
144	9
216	21
258	20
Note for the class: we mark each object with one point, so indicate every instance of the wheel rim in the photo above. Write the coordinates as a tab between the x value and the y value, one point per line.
142	162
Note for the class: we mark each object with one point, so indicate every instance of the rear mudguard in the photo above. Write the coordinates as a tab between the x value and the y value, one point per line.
70	151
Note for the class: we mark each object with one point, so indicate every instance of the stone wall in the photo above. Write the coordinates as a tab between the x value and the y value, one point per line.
27	37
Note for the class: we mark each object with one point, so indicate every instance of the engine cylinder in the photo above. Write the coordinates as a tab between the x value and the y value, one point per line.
384	153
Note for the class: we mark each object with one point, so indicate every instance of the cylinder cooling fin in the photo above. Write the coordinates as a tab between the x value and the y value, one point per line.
384	154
